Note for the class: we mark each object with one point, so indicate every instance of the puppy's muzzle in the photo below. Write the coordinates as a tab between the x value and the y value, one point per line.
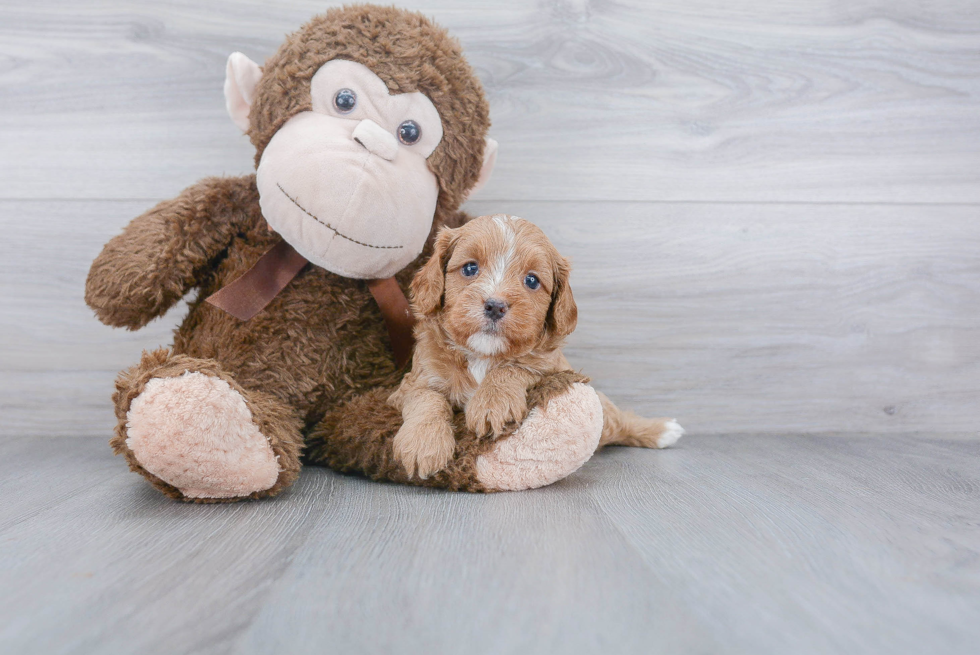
494	309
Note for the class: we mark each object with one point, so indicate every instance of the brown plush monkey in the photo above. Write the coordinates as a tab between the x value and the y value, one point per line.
370	131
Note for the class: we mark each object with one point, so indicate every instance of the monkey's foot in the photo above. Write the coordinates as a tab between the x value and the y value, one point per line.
552	443
196	433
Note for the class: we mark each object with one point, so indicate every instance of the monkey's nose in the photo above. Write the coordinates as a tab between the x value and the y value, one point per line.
494	309
376	139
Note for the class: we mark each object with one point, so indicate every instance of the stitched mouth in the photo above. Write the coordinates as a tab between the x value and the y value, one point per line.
331	227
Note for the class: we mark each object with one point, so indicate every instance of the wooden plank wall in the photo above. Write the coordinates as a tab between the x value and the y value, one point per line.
772	207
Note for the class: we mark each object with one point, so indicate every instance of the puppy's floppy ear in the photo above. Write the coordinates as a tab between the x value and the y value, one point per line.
429	283
563	312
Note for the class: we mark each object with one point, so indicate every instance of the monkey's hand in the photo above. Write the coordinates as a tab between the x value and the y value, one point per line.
494	406
161	255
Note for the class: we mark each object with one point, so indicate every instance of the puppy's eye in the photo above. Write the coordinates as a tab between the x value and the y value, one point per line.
531	281
409	132
345	101
470	269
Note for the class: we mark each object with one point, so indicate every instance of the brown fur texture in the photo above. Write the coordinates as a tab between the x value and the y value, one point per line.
450	308
319	343
275	419
536	320
322	340
621	427
315	365
409	53
485	336
358	437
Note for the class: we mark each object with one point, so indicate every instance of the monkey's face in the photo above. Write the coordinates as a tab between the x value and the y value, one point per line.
347	183
368	125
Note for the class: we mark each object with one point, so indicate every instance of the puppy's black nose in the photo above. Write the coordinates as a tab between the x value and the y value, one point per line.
494	309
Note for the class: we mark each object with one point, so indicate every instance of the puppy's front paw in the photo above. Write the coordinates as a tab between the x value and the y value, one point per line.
489	411
425	447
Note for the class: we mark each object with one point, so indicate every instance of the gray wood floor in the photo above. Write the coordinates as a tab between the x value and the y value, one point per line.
773	211
738	544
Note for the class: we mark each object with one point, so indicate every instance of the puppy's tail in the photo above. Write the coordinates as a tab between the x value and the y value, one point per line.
621	427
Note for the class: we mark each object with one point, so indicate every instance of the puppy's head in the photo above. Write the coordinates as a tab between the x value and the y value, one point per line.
498	287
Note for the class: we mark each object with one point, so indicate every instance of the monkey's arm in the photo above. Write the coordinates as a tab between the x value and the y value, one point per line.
164	253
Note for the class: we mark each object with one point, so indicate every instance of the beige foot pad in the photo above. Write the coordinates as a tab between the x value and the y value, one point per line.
196	433
552	443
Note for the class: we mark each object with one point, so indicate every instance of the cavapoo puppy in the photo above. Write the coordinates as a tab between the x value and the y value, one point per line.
493	307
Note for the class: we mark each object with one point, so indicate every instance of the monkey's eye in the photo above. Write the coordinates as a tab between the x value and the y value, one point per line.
345	101
531	281
409	132
470	269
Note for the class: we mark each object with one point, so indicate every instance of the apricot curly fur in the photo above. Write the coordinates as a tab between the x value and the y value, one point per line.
357	438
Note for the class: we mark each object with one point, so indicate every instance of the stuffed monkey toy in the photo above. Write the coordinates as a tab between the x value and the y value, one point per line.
370	130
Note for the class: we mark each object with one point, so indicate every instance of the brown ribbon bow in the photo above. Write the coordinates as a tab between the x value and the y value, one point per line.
248	295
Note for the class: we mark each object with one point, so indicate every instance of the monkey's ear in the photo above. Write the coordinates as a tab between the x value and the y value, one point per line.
489	159
241	76
430	282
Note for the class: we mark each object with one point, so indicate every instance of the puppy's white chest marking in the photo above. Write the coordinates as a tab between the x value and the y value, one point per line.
478	368
486	344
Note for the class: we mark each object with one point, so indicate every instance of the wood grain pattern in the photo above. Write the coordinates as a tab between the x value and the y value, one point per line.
751	544
808	542
57	362
115	567
742	318
674	100
733	318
